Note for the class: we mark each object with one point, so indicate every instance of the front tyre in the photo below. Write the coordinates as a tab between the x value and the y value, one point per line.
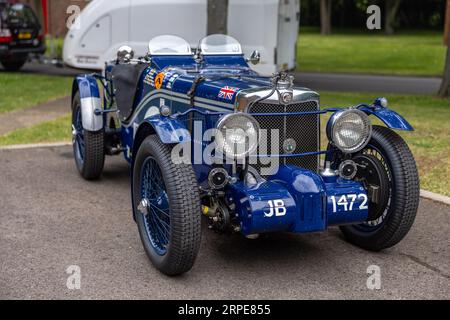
167	207
88	146
389	160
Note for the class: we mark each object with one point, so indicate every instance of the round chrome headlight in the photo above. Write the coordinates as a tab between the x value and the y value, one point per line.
237	135
349	130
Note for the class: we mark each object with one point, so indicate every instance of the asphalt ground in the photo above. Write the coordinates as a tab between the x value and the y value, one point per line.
313	80
51	219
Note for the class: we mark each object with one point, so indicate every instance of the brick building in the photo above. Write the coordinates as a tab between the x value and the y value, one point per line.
56	13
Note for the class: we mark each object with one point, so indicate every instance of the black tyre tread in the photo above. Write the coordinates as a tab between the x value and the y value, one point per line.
405	200
94	153
94	159
185	209
15	65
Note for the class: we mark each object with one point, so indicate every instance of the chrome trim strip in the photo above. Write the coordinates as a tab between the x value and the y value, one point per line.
155	95
185	96
247	96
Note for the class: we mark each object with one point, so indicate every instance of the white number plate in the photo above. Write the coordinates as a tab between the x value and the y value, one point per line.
346	202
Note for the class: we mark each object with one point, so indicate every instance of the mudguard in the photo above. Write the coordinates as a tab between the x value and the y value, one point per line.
90	101
389	117
169	130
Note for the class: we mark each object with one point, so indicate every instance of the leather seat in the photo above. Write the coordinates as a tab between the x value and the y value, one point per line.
126	82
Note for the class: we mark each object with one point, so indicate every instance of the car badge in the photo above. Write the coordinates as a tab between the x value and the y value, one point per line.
289	145
227	92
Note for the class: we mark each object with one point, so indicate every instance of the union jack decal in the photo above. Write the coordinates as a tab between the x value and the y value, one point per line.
227	92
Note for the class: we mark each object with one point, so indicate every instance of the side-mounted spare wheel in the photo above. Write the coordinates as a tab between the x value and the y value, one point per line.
88	146
167	207
388	164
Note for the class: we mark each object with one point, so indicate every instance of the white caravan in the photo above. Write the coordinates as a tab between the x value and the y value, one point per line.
269	26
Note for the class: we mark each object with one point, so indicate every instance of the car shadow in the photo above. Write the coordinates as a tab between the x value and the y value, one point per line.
116	170
280	249
277	246
32	68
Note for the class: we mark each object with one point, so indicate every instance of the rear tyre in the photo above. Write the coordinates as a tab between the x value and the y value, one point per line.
388	151
88	146
167	208
13	65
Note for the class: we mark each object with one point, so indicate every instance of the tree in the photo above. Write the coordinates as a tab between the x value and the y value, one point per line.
444	91
217	16
325	16
447	23
38	9
390	15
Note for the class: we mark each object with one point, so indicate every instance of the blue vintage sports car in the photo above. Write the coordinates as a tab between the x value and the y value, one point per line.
206	135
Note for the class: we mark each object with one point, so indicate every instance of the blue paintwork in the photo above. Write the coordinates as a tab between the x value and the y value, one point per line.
87	86
252	206
339	188
306	196
184	62
308	190
169	130
389	117
226	61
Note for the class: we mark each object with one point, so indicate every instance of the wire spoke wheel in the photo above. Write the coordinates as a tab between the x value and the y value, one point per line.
157	218
167	209
78	136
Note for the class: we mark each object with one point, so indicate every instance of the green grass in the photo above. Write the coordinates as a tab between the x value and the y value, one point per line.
419	53
54	47
20	91
50	131
430	142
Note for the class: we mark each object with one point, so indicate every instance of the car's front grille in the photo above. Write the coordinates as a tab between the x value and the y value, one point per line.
303	129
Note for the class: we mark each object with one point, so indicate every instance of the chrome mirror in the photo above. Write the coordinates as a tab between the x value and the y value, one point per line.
255	57
125	54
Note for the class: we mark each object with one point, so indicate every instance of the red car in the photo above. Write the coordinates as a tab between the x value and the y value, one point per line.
20	35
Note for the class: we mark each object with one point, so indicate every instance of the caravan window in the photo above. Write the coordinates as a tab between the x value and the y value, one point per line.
220	44
21	14
169	45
